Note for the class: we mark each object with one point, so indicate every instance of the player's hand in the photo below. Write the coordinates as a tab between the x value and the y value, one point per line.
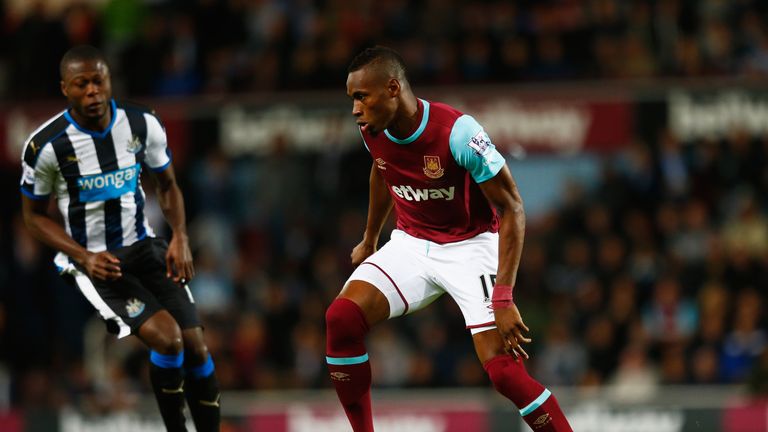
178	260
102	265
511	327
361	252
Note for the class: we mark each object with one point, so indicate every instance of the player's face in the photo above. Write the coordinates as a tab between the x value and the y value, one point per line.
87	86
374	99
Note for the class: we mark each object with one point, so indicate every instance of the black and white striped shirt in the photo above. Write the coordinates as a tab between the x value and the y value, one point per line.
96	175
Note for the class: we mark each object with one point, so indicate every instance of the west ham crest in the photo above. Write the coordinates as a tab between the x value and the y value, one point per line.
432	168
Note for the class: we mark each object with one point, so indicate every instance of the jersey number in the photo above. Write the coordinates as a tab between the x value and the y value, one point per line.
484	281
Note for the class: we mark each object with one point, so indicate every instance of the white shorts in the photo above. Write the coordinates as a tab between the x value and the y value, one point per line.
413	272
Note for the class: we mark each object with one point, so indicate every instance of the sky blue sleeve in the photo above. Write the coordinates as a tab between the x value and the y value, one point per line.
472	148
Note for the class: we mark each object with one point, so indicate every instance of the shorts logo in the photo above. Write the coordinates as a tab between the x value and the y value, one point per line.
432	167
380	164
134	307
340	376
33	146
541	421
134	145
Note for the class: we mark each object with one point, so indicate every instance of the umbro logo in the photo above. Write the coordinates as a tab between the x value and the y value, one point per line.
380	164
543	420
340	376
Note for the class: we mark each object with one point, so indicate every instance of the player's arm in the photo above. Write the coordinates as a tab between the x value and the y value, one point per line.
102	265
178	259
472	149
379	206
501	191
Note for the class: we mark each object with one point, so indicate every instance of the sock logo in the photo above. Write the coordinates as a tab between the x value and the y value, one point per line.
340	376
214	403
542	421
174	391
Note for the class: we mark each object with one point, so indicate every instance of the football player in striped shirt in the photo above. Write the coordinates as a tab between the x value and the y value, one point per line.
460	228
90	157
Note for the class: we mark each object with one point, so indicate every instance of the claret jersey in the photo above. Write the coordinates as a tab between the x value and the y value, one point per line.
433	175
96	175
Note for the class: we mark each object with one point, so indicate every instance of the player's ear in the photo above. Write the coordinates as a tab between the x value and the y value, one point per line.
63	88
393	87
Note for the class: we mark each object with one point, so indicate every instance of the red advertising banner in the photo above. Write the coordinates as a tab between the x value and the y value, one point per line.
554	126
748	416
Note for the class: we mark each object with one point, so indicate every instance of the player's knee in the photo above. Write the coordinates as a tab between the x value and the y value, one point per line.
162	334
195	354
168	344
345	324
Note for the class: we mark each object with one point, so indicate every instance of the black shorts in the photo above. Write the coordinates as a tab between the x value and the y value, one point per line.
126	303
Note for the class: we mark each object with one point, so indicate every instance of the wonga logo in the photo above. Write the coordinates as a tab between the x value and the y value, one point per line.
105	186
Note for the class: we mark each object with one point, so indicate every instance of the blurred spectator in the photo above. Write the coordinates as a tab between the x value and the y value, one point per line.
562	360
267	45
747	341
670	317
635	379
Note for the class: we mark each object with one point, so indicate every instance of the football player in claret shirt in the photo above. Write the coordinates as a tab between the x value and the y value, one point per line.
90	157
460	228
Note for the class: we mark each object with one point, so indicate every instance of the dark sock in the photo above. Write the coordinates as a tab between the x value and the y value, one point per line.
202	391
167	379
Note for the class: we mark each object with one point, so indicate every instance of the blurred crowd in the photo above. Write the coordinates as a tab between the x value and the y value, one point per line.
176	47
654	274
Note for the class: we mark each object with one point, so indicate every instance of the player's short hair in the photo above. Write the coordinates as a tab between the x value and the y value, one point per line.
80	53
387	58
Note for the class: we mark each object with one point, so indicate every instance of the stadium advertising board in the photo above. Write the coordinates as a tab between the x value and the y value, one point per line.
715	114
553	126
417	415
388	417
548	126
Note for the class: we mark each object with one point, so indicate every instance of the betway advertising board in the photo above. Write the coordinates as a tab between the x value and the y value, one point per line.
695	115
567	126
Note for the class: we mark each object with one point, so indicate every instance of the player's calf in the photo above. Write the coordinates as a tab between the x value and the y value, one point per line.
347	359
202	392
167	379
537	405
